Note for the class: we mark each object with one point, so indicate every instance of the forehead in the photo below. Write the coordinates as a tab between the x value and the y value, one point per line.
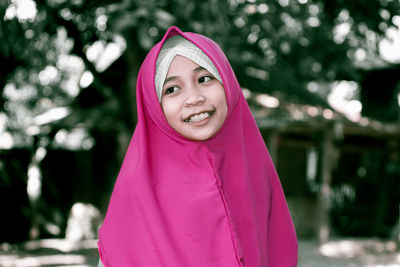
180	63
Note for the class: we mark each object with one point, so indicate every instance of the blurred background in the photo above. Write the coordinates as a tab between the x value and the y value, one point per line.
322	78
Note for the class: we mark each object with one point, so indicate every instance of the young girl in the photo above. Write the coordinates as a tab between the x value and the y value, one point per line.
197	187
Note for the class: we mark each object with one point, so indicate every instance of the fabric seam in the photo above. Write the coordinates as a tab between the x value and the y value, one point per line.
235	245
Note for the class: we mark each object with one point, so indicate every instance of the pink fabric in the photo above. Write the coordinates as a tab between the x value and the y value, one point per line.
183	203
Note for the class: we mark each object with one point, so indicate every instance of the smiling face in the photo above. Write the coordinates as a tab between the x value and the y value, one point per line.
193	101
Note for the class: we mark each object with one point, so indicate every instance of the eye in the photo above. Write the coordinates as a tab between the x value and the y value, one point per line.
171	90
205	78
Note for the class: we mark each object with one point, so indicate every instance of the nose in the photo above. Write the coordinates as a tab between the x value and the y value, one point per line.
194	100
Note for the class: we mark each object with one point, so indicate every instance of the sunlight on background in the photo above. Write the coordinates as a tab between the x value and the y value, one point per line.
69	73
6	140
83	222
73	67
74	139
390	46
328	114
24	10
86	79
51	115
343	99
343	28
246	93
342	96
361	253
267	101
102	55
34	183
53	260
311	169
48	75
398	99
341	31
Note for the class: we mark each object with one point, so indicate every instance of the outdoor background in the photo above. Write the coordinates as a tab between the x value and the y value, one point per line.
322	78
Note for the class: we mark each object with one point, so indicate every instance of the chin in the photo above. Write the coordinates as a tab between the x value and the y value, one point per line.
197	138
200	137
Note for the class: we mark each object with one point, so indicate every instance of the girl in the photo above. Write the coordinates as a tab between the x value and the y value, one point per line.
197	186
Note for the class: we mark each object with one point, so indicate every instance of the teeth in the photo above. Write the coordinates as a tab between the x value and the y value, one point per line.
198	117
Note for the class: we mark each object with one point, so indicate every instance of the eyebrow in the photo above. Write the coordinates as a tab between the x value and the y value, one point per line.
174	77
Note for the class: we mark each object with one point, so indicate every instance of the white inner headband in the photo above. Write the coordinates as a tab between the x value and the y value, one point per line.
178	45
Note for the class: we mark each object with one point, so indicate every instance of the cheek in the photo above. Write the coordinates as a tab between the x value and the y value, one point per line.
171	110
221	103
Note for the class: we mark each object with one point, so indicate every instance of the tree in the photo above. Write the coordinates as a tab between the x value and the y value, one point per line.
54	77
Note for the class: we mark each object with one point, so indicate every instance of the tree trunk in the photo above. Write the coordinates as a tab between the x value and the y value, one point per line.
327	163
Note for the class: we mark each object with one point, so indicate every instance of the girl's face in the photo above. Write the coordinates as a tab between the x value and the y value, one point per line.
193	101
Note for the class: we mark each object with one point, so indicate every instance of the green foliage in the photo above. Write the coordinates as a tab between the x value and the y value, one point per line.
296	42
276	47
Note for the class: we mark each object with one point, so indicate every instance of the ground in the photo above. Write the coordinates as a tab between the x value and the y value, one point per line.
337	253
349	253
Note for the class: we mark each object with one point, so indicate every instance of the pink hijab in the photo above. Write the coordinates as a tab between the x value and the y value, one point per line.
180	203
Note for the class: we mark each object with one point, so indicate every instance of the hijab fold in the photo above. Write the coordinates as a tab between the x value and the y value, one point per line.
179	203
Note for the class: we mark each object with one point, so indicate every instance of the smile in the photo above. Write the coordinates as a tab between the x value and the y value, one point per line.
198	117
